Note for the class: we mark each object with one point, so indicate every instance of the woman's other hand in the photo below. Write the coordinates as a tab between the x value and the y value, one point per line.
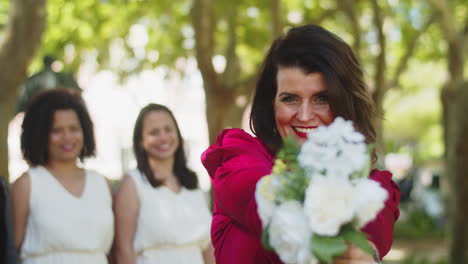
355	255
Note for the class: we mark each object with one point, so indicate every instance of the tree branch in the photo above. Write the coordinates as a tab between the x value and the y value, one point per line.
276	18
21	39
202	19
324	15
409	51
232	69
380	63
348	8
454	39
465	35
247	85
465	29
446	19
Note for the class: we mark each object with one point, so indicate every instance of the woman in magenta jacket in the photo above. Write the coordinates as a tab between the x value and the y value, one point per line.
309	77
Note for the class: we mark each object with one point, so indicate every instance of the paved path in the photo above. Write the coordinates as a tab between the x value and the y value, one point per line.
432	250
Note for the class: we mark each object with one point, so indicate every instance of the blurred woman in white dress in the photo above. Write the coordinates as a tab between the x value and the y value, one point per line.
161	216
62	213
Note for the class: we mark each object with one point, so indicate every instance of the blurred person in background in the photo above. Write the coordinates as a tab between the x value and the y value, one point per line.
62	212
7	246
161	216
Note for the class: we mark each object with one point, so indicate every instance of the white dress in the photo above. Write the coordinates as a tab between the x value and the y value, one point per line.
171	227
62	228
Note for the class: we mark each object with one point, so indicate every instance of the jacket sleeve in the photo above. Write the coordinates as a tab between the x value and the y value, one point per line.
8	251
235	163
380	230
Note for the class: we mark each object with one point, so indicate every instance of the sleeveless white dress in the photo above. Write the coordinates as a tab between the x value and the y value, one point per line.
62	228
171	227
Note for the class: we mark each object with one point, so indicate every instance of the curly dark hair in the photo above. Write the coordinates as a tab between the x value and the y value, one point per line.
37	124
313	49
186	177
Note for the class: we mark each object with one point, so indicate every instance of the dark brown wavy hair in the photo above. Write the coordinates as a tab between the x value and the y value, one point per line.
186	177
313	49
37	123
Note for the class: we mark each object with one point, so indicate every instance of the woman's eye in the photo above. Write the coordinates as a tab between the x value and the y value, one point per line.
287	99
75	129
322	99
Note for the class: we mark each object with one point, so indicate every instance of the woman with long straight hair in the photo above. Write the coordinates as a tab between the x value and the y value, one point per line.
161	215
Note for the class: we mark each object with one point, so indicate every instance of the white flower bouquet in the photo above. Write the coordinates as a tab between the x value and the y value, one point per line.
319	196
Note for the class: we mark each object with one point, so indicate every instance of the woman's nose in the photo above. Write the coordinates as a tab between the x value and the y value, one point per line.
67	134
164	137
305	112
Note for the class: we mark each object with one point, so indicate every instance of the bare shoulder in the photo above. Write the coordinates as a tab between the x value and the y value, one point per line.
126	195
22	184
126	186
127	181
20	195
21	192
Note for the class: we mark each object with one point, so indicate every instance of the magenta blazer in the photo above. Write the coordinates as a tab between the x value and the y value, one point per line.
235	162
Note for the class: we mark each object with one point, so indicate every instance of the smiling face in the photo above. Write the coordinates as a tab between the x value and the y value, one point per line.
301	102
159	135
65	137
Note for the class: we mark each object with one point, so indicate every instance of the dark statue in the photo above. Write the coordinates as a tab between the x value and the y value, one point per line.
43	80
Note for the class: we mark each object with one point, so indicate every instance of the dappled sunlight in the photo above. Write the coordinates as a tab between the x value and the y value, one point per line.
396	254
425	249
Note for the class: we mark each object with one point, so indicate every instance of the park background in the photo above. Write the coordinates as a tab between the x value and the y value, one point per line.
200	58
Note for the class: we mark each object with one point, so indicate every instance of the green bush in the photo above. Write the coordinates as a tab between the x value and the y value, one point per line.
417	224
418	260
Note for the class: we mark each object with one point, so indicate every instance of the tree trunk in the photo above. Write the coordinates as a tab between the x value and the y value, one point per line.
222	112
454	97
223	91
22	38
455	133
277	19
7	110
378	122
349	9
379	76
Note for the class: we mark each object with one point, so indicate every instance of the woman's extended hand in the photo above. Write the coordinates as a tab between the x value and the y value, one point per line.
355	255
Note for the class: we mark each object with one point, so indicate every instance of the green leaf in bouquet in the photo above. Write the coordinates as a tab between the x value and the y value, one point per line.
266	238
289	150
327	248
292	176
357	238
280	167
294	184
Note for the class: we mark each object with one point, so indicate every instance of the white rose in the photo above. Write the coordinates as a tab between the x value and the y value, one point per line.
340	130
315	157
289	232
346	130
322	135
350	158
328	204
304	255
369	199
337	149
264	197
